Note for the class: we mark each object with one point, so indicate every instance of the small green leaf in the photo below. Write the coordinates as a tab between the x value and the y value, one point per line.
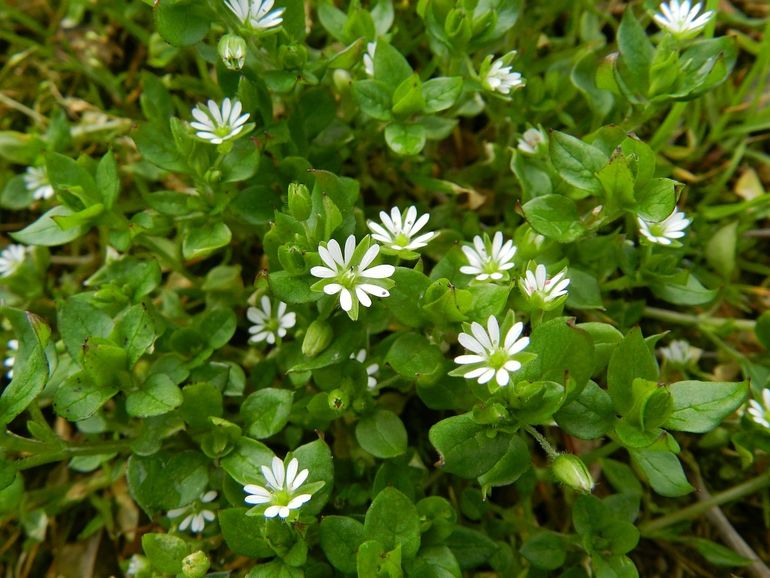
382	434
134	331
545	550
632	359
266	412
576	162
413	357
157	396
79	397
554	216
393	521
441	93
374	98
165	551
466	448
589	416
108	180
340	538
46	232
407	98
663	471
182	23
405	139
700	406
244	535
203	239
390	66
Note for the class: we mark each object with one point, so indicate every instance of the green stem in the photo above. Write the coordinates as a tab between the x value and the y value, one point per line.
602	452
544	443
698	320
695	510
667	128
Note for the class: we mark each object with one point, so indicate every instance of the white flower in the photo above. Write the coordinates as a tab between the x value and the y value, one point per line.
36	181
664	232
197	516
11	258
489	358
217	126
760	411
538	285
680	354
488	261
369	58
268	327
499	78
371	369
531	140
682	20
12	349
397	232
353	282
256	13
282	485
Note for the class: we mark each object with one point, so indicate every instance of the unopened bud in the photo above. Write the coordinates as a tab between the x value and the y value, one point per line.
300	203
571	471
292	56
318	337
232	51
291	259
196	565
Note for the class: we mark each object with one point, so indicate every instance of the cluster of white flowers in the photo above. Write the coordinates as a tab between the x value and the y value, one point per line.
197	514
681	18
216	124
489	260
12	349
666	231
369	58
398	232
283	482
760	410
680	354
256	14
501	78
269	324
531	140
11	258
36	181
538	285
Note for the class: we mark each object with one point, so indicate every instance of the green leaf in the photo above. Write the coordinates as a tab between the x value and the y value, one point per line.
663	471
589	416
20	148
406	295
182	23
340	538
636	54
435	562
30	370
243	463
390	66
46	232
514	462
441	93
405	139
584	291
201	401
632	359
466	448
488	299
554	216
721	249
165	552
382	434
413	357
241	162
291	289
717	554
266	412
79	397
691	292
157	396
203	239
374	98
576	162
79	319
656	200
317	458
407	98
545	550
165	481
393	521
471	547
108	180
134	331
617	181
244	535
700	406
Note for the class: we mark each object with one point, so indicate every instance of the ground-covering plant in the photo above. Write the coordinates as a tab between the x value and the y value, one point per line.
430	289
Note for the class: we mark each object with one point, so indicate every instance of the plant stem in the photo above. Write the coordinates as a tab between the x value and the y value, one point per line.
698	320
736	492
544	443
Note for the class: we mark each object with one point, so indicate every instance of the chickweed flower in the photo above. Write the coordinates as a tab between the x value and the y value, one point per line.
283	482
487	260
350	274
681	18
11	258
500	78
12	349
36	181
371	369
543	291
268	326
760	411
531	140
680	354
489	358
369	58
218	125
256	13
666	231
197	516
398	233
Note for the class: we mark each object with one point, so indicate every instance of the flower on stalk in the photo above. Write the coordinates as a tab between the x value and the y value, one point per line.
489	358
531	141
36	181
11	258
369	58
283	482
681	18
12	350
760	411
666	231
544	292
256	13
197	515
218	125
371	369
350	274
680	354
488	260
268	326
497	76
397	232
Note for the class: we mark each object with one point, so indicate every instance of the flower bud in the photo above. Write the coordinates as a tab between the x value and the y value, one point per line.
318	337
342	79
291	259
292	56
232	51
571	471
300	203
457	27
195	565
339	400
